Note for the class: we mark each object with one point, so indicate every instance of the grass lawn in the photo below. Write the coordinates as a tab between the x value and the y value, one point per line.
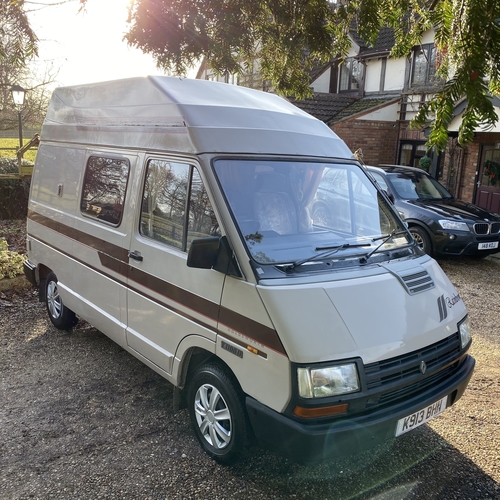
13	144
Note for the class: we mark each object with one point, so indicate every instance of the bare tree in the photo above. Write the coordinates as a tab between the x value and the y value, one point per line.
38	87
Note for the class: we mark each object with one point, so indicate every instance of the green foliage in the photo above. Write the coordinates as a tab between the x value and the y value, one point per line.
11	263
492	170
468	35
232	33
18	42
424	163
13	193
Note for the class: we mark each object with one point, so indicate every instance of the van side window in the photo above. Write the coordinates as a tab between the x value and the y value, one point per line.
171	191
104	187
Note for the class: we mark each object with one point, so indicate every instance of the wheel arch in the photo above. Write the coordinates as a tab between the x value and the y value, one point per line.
193	352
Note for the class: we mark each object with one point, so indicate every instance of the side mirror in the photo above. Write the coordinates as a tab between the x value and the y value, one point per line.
203	252
213	252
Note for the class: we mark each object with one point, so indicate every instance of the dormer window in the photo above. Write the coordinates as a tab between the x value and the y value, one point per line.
350	75
423	68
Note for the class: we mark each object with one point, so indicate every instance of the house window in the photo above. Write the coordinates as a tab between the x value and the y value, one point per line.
411	152
350	75
423	71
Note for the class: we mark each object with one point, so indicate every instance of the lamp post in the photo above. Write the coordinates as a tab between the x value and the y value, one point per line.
18	94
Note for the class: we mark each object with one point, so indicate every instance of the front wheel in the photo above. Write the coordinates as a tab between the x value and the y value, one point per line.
422	239
61	317
217	413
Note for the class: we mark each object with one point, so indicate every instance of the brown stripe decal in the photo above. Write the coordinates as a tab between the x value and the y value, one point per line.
115	258
168	290
85	238
184	297
251	329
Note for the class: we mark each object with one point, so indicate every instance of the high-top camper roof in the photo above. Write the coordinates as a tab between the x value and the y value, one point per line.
186	115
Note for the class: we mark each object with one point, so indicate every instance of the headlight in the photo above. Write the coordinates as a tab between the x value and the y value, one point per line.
464	329
454	225
327	381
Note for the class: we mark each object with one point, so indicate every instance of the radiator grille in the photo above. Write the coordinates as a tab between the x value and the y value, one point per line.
401	377
484	228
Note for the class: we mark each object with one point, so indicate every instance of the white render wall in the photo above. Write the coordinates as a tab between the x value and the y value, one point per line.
322	83
372	76
395	74
385	114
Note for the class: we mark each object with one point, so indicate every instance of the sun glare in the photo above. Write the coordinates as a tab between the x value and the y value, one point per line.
88	46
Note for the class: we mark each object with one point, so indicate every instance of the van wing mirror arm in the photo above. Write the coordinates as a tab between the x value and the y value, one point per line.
226	261
213	253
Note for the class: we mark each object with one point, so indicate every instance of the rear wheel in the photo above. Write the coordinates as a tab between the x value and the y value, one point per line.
217	413
422	239
61	317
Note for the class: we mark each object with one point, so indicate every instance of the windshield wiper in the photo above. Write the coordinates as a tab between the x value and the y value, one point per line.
330	251
384	239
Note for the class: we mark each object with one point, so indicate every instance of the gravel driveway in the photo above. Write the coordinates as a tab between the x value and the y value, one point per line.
81	418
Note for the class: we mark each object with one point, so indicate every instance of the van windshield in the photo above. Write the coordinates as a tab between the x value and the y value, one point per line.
293	212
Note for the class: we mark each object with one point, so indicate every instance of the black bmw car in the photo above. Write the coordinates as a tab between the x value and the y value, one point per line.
440	224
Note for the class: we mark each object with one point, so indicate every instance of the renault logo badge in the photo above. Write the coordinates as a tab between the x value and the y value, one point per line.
422	367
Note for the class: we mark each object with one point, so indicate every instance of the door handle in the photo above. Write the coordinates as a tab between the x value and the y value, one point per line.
134	254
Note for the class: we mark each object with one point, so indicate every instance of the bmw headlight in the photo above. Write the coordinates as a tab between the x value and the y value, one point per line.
327	381
454	225
464	329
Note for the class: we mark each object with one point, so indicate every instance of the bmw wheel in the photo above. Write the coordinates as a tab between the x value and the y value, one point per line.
422	239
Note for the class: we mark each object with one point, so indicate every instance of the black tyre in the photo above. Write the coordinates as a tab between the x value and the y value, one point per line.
217	413
421	237
61	317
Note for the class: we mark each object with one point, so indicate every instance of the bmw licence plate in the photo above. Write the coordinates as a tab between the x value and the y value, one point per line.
488	245
420	417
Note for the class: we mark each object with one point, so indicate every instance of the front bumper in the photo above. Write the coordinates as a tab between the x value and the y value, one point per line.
309	443
455	243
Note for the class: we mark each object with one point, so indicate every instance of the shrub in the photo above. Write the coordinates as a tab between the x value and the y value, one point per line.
14	193
425	163
11	263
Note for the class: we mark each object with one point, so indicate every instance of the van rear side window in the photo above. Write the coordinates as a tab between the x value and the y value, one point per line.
104	188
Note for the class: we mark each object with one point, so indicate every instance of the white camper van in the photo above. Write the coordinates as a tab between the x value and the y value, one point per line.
232	243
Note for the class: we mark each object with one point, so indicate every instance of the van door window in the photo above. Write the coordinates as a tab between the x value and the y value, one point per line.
175	205
104	188
202	220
